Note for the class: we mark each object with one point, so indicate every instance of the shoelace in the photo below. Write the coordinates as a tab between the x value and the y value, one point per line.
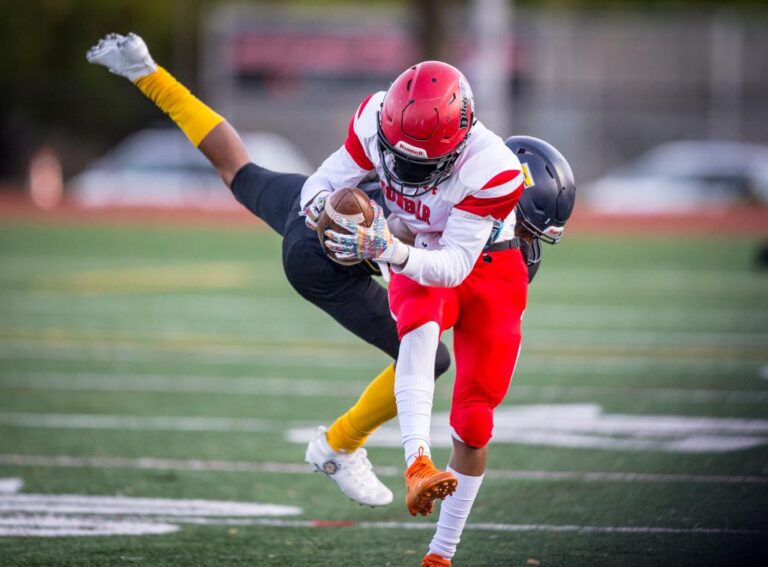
359	463
423	468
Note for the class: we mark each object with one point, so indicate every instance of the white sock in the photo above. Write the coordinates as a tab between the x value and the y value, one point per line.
454	512
415	388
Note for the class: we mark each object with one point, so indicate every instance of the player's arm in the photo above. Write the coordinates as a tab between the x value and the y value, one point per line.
466	233
129	57
346	167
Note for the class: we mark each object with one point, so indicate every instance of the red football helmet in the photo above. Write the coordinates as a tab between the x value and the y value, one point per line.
423	125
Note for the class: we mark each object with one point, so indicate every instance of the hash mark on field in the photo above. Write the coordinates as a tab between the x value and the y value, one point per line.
203	465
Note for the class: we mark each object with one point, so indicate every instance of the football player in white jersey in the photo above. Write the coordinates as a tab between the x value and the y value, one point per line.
454	184
270	195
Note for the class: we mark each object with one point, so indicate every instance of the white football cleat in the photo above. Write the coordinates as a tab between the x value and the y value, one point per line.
352	472
124	55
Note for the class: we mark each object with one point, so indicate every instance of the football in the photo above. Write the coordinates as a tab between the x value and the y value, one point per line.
350	203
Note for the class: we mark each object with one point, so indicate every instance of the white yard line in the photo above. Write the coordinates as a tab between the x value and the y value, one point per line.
65	526
277	386
164	383
227	307
282	356
11	485
535	336
573	425
205	465
145	423
134	506
31	350
492	527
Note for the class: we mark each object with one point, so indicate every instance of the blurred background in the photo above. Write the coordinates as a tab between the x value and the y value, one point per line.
607	82
151	347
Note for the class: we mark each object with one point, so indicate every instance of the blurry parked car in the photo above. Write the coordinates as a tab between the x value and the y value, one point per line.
158	167
684	176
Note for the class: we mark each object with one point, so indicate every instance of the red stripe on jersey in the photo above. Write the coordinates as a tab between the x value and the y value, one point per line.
355	148
363	105
496	207
501	178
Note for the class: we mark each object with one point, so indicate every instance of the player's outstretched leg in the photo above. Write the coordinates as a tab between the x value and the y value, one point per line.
352	472
375	406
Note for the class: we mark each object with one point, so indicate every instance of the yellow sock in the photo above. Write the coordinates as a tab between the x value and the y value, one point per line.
194	118
375	406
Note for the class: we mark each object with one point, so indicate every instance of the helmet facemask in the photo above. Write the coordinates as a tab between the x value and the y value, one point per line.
551	235
421	174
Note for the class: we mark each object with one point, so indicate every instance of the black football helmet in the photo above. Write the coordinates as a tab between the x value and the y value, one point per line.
550	189
549	195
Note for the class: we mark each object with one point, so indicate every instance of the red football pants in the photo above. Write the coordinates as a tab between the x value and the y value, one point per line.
485	311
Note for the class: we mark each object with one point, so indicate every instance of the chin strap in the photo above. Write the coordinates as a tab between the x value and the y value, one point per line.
532	256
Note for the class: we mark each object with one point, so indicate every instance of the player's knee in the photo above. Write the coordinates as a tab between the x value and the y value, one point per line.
473	423
442	360
308	271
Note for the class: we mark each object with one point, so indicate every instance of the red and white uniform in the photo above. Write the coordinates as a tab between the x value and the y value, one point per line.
447	279
456	218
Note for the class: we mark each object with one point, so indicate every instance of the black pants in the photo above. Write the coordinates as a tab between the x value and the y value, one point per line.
348	294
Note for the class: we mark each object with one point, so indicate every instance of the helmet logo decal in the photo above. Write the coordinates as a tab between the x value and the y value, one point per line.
554	231
407	148
527	177
467	99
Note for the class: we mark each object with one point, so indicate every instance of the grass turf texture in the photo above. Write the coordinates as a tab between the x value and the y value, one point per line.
649	326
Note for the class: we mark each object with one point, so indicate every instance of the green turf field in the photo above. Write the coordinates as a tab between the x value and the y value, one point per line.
178	364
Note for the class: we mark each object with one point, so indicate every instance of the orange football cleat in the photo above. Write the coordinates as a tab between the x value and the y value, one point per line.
424	484
434	560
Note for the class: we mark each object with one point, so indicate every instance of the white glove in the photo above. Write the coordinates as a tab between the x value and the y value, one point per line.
123	55
313	209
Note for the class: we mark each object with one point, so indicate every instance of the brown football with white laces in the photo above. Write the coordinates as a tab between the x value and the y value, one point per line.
350	203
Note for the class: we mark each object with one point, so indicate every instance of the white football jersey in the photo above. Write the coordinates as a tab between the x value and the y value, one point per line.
486	183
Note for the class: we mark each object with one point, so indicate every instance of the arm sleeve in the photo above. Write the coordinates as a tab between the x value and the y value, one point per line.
463	240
